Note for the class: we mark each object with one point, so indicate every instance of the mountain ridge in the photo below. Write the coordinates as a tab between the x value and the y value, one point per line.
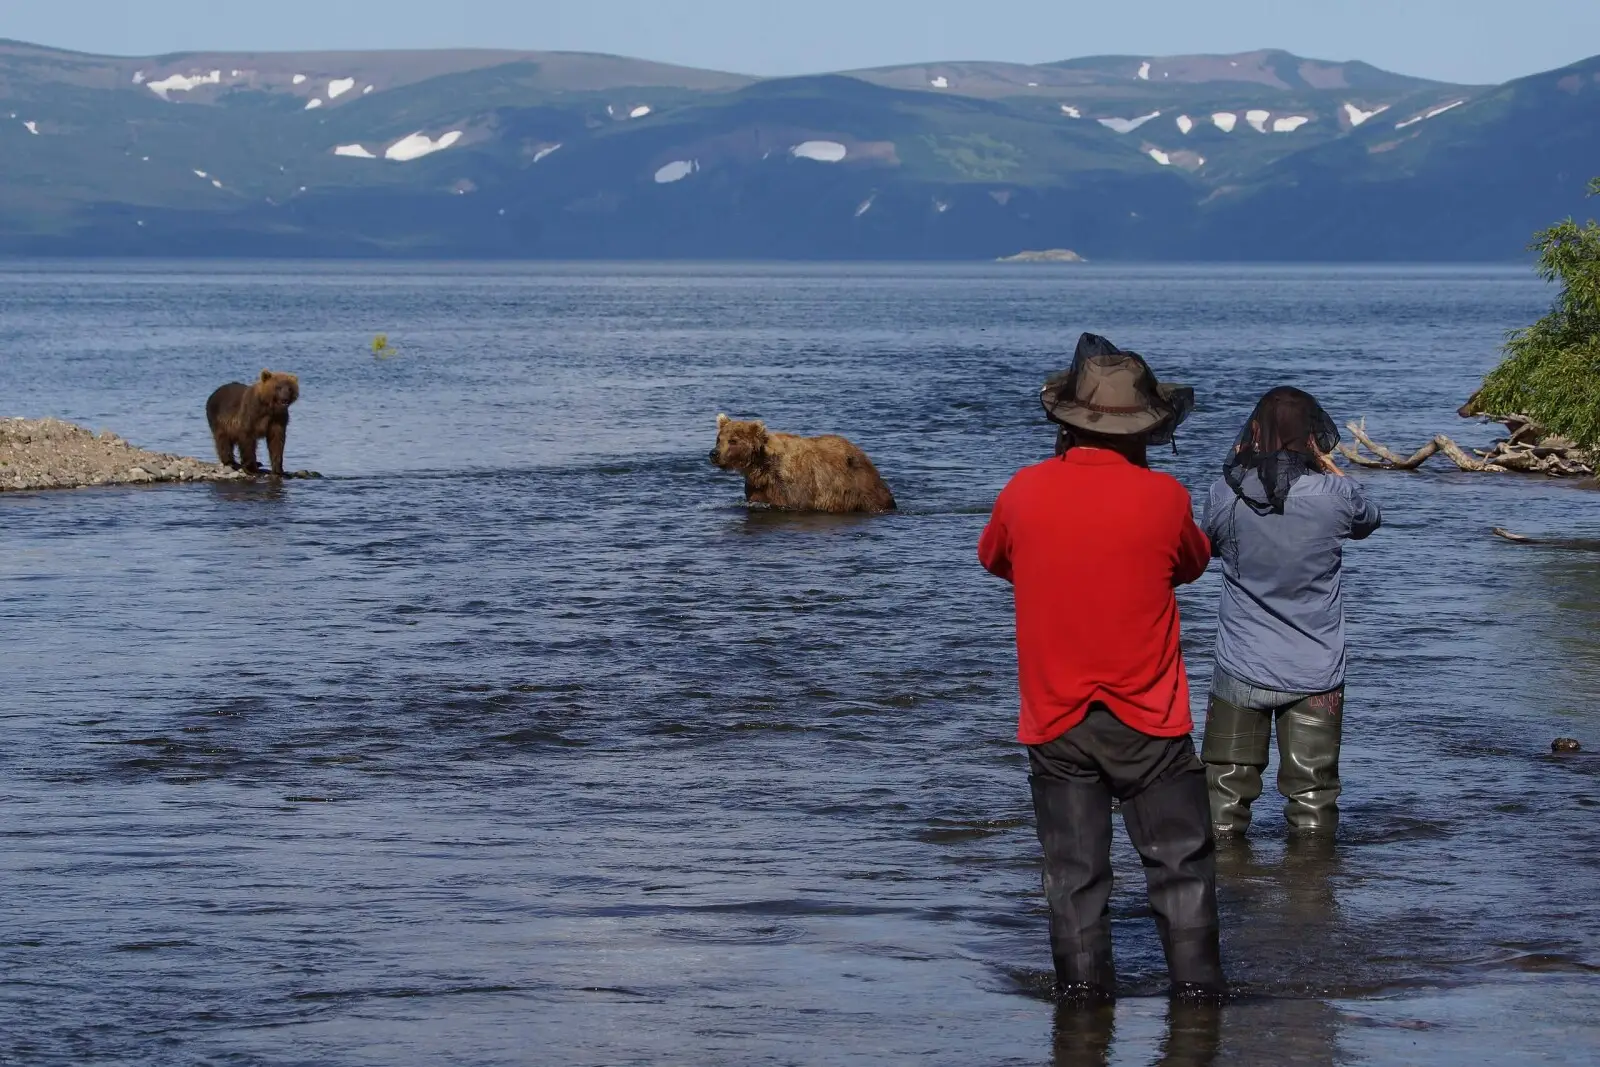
487	152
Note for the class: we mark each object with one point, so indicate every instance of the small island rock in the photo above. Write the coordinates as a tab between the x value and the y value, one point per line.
1048	255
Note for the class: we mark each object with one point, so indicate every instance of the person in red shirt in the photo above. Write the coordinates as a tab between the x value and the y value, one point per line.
1094	543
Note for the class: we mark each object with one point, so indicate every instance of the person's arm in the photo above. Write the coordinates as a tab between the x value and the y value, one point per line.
1213	524
1194	547
994	547
1365	515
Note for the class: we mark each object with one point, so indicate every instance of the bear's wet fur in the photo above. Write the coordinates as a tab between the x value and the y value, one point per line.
825	473
240	415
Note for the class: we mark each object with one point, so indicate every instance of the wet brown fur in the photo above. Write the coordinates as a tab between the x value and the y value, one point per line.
825	473
240	415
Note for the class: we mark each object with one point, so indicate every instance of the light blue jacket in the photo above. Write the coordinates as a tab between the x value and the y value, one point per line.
1281	622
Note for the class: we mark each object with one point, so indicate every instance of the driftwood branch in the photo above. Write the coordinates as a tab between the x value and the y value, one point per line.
1454	452
1412	462
1353	454
1529	449
1388	459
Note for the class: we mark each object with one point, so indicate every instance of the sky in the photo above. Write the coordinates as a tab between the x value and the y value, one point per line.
1472	41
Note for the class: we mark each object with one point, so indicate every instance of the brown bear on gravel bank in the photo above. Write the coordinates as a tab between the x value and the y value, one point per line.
240	415
824	473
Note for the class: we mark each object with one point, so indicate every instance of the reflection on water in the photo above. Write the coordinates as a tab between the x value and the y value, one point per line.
517	739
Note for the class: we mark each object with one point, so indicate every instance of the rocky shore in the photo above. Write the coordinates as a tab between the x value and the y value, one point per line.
51	454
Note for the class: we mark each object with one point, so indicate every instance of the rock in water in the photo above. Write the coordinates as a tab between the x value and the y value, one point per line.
1047	255
1565	744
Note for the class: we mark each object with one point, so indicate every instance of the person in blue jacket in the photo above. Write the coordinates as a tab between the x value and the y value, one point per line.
1278	519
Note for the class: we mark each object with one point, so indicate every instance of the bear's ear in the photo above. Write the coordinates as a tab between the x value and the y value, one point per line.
722	420
266	376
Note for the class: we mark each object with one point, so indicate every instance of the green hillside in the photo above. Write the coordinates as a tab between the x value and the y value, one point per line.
1261	155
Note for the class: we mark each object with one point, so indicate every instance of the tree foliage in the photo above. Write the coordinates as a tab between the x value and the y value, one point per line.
1552	369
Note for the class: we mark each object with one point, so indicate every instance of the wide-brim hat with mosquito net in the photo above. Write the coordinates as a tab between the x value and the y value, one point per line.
1110	392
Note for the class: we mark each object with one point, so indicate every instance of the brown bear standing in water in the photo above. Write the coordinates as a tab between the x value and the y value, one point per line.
824	473
240	415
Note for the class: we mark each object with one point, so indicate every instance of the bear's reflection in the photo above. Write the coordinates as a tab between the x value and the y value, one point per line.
258	490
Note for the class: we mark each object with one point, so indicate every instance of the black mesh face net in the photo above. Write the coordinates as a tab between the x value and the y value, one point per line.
1284	438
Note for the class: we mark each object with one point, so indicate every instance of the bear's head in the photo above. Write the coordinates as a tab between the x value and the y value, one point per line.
278	390
740	444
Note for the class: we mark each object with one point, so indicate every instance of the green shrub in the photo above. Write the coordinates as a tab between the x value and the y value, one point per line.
1552	369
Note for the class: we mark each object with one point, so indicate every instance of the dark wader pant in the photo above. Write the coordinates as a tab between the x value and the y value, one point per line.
1162	787
1238	732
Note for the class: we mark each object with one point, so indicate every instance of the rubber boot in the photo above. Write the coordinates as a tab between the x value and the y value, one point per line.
1169	826
1308	761
1074	824
1235	753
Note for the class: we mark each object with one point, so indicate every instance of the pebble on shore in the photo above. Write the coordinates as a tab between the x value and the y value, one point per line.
52	454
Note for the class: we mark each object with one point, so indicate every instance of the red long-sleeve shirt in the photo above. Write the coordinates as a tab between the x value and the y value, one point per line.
1094	546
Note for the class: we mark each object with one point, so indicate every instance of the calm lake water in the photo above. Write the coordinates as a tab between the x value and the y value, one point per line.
518	739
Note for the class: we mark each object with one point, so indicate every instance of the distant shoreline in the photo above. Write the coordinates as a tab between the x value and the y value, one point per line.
6	258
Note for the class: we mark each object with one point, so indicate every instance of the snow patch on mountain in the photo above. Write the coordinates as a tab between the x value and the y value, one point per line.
1289	123
941	82
1225	121
367	90
31	127
1127	125
339	86
181	83
138	77
866	205
1071	112
1428	115
417	145
677	170
545	151
1185	124
1357	116
639	112
821	151
1144	71
1159	156
314	103
1257	119
354	151
299	79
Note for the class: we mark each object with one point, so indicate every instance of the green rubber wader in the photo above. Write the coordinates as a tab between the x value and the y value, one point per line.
1235	752
1309	732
